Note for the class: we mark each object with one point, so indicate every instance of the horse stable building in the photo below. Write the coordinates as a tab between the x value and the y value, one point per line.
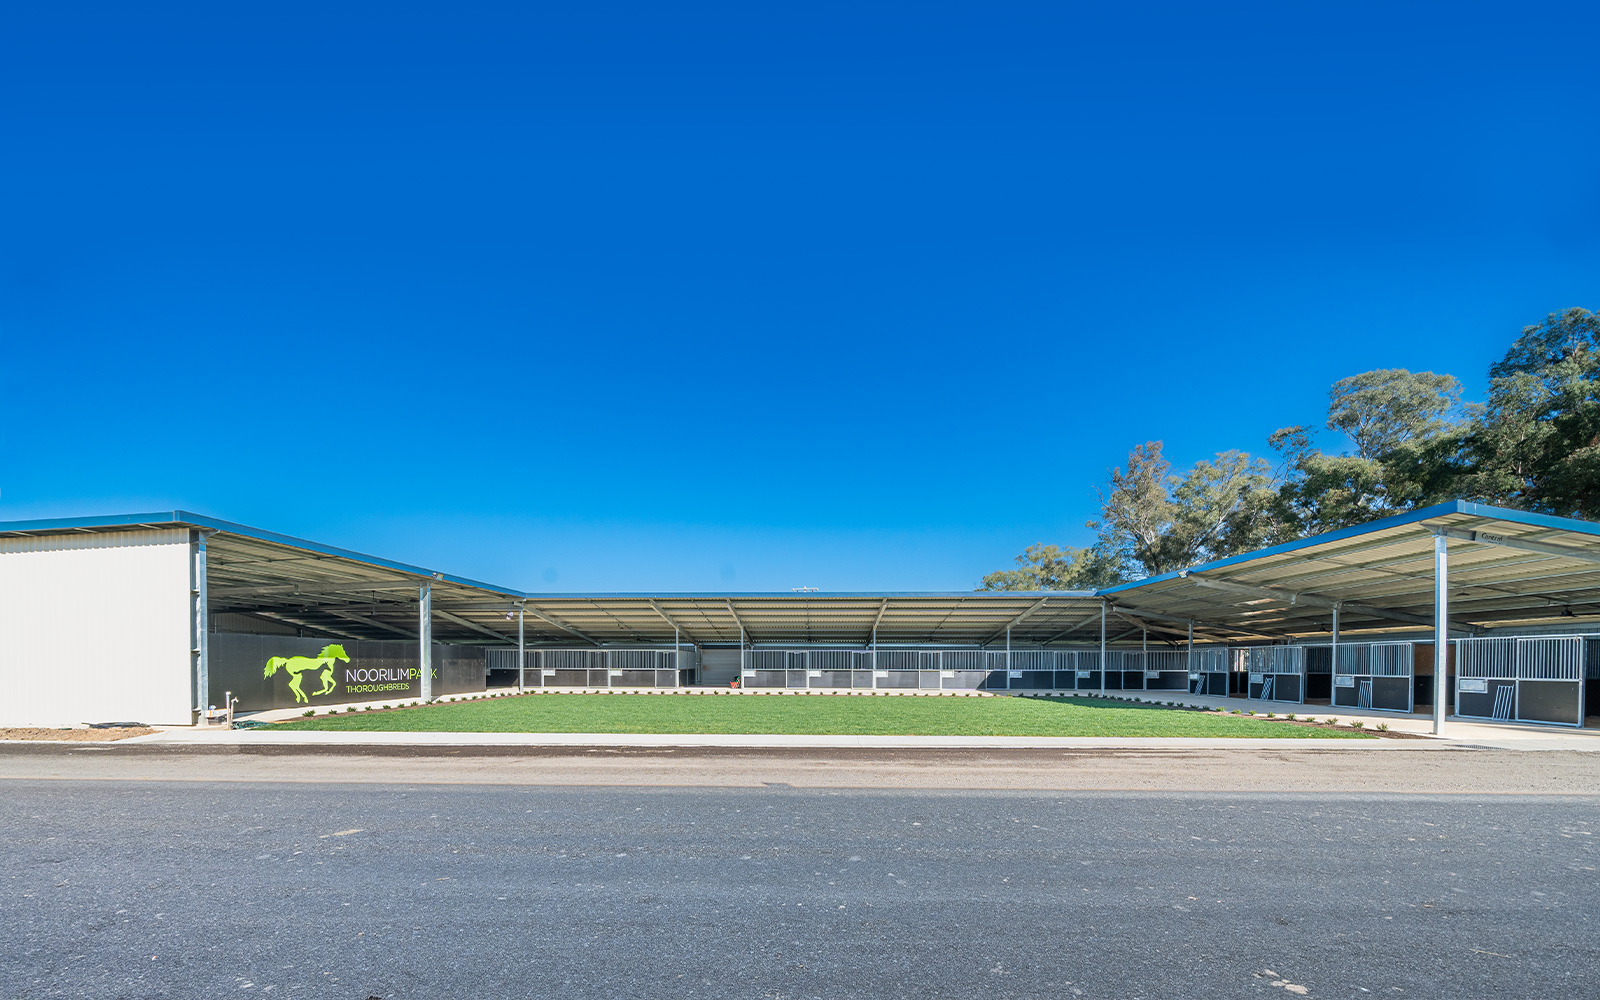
158	618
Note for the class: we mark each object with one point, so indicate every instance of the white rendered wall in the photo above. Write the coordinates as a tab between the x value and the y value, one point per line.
95	628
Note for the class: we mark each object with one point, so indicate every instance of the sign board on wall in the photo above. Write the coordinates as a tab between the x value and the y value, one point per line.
271	671
1473	685
1344	681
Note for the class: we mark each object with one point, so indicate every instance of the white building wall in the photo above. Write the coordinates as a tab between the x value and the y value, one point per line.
95	628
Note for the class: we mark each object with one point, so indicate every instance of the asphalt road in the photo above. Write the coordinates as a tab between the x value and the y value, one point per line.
150	887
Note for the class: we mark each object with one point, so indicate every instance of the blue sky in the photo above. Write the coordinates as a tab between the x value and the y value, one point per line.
731	296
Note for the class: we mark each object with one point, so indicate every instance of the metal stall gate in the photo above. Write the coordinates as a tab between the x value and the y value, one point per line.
1277	673
1375	675
1521	680
1022	670
592	668
906	669
970	669
1166	670
1083	667
1208	671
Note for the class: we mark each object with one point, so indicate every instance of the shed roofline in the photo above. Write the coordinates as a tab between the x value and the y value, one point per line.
1369	527
181	518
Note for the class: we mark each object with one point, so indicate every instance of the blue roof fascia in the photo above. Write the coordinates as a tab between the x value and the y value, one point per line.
168	517
1382	524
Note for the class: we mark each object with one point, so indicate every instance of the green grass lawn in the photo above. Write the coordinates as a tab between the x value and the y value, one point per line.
746	714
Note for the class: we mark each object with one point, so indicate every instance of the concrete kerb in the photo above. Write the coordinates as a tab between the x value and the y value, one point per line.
285	738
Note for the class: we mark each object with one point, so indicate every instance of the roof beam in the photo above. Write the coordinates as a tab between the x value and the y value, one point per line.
878	620
671	621
315	626
1152	616
1146	625
739	622
563	626
1093	616
1527	545
1013	623
1318	601
315	590
464	623
365	620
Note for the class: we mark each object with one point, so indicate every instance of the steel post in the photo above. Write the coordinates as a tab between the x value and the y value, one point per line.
1441	629
1334	657
425	639
522	653
1188	662
202	628
1102	648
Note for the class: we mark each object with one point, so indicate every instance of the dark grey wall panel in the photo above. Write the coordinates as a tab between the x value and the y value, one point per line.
375	671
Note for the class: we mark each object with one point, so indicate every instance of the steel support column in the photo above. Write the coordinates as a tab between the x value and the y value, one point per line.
425	639
522	653
1334	656
202	627
1102	649
1441	628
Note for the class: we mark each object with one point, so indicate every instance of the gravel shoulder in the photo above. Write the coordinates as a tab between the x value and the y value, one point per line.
34	735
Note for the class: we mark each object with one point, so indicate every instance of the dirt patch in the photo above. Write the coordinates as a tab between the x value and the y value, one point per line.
77	735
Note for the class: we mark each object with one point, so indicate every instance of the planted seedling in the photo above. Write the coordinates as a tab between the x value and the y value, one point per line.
1356	723
1382	727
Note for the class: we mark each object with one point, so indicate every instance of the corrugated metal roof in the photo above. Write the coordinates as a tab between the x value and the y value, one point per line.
1505	567
1380	573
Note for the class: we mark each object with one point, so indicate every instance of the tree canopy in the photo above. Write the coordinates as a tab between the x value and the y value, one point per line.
1533	445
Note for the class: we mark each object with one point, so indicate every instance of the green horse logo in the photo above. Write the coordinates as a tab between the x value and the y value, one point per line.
299	665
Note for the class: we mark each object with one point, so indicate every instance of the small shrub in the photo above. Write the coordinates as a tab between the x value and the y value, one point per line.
309	712
1251	712
1290	716
1356	723
386	706
1272	715
1382	727
1330	722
